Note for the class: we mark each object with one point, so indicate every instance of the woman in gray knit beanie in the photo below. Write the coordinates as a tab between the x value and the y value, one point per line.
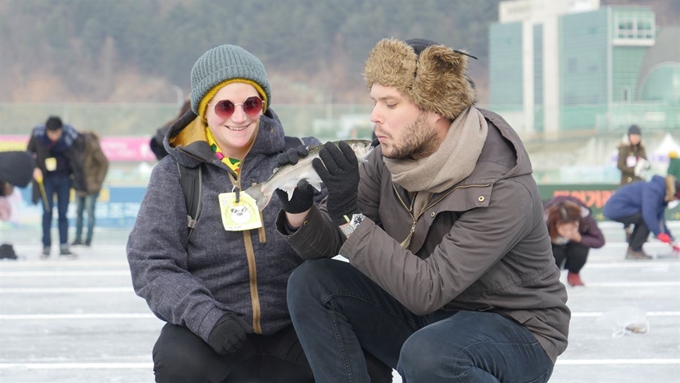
229	91
221	286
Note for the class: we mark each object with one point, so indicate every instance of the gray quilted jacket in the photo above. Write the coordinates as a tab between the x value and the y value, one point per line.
212	276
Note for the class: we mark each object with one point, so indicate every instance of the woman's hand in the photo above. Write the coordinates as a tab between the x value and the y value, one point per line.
569	231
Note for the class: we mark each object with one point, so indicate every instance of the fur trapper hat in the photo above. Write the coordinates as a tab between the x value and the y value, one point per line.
432	75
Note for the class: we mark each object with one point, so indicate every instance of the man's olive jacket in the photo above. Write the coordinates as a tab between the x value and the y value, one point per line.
482	245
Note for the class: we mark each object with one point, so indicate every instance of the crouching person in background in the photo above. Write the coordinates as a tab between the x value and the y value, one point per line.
643	205
573	232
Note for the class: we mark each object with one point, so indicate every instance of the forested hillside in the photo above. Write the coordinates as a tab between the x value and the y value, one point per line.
142	50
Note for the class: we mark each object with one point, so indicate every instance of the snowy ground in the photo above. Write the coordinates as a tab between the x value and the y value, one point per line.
80	321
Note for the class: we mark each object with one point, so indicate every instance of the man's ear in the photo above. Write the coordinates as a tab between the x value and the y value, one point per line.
438	118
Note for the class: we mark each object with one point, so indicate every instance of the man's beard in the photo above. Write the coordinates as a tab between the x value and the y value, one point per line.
419	141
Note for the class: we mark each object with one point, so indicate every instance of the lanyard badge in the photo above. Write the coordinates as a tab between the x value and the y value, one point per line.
239	212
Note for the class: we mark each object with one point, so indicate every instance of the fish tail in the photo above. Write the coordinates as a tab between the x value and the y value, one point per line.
261	199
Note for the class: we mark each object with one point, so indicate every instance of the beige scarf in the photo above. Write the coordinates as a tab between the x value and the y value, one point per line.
455	159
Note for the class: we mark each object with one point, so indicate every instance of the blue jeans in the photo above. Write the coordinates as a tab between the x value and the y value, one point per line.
61	186
337	311
85	203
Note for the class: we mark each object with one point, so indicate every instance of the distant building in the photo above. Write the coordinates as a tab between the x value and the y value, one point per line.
572	65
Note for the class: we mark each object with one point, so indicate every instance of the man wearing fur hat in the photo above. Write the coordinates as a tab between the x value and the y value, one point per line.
643	205
450	274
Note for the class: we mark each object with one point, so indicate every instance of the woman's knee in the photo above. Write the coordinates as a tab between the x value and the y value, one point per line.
181	356
174	364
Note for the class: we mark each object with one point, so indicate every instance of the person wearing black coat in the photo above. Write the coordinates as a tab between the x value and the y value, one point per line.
16	169
57	148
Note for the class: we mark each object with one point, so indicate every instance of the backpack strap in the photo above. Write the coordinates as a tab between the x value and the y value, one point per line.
192	187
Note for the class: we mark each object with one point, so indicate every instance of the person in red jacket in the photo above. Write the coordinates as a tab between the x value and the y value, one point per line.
573	232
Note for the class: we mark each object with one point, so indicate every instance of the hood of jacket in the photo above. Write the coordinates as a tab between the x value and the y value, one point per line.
503	155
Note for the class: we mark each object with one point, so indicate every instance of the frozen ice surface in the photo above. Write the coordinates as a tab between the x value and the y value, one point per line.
79	320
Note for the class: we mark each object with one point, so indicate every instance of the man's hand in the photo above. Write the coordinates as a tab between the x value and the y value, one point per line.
37	175
340	172
228	334
301	200
665	238
569	231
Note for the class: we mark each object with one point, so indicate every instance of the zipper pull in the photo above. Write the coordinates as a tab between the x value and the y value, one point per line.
406	242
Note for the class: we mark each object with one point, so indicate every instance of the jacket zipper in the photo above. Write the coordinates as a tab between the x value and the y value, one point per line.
252	266
406	242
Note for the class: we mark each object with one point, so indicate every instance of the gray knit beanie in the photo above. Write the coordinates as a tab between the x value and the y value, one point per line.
634	129
223	63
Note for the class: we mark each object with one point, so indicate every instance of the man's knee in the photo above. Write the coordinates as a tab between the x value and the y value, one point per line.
418	354
308	280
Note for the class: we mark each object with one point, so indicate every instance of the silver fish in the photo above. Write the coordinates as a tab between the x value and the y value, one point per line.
287	177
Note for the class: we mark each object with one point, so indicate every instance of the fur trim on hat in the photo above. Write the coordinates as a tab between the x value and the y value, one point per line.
435	80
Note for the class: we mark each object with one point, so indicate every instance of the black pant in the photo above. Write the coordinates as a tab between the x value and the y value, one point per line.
573	255
640	233
181	356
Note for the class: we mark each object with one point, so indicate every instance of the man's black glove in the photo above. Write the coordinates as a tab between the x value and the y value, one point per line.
292	155
228	334
302	199
340	172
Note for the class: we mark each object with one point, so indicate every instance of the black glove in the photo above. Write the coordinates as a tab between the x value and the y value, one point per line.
292	155
341	176
228	334
302	199
303	195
